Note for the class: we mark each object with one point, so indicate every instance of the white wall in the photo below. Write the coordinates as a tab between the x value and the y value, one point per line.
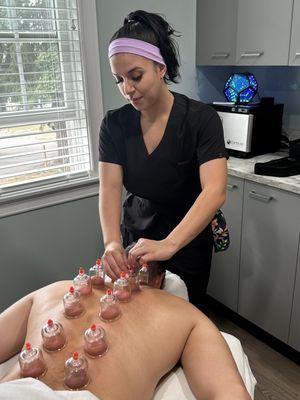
180	14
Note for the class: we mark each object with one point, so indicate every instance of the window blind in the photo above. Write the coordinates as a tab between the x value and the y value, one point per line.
43	119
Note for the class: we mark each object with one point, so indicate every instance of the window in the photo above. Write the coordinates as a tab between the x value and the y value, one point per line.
44	130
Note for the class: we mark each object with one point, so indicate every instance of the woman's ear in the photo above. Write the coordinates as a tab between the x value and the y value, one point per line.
162	70
158	281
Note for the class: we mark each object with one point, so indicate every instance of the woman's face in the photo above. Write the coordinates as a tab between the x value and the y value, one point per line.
139	79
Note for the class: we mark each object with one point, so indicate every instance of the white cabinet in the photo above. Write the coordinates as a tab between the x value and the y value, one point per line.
224	276
270	235
263	32
248	32
294	337
216	32
256	276
295	36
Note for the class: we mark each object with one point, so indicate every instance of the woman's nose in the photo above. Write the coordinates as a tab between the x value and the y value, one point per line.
128	87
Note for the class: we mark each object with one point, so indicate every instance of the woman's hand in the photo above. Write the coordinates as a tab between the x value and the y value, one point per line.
114	260
147	250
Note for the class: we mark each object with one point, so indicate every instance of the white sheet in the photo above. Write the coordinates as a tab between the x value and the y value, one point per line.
175	285
32	389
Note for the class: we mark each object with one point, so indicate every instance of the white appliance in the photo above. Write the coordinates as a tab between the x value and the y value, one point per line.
252	129
237	130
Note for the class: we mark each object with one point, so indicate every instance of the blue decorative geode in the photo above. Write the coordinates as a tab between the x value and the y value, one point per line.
240	88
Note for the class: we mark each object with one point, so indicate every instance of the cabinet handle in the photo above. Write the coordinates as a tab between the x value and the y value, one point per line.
260	197
231	187
220	55
246	54
297	54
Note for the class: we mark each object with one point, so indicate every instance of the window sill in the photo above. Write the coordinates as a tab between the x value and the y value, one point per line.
47	197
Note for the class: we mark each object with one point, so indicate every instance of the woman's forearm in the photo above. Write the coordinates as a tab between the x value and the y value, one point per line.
110	213
197	218
110	196
213	178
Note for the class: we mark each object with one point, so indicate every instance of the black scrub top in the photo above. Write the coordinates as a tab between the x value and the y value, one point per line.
163	185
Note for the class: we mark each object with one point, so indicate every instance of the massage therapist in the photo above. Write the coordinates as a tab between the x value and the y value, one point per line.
168	151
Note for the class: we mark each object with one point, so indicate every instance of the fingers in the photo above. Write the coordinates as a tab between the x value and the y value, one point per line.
140	253
147	258
124	265
146	250
114	261
110	267
133	262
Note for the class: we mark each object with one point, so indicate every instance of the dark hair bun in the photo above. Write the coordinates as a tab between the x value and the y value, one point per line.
154	29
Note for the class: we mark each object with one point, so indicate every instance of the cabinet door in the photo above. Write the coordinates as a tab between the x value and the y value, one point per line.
294	337
216	32
295	35
263	32
270	233
224	276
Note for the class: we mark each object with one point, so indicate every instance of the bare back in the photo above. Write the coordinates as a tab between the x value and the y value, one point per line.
144	344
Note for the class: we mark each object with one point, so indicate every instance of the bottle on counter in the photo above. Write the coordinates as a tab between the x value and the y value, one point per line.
76	372
54	338
95	341
82	283
72	304
122	289
32	363
109	308
144	275
97	274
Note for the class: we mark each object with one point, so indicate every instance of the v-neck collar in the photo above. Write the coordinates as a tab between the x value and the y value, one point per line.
169	127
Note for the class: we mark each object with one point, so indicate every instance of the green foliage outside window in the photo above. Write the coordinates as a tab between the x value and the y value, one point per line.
30	72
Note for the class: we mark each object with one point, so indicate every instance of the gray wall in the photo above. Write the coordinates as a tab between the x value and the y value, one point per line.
180	14
46	245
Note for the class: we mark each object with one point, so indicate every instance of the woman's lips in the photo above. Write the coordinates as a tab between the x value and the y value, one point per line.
137	100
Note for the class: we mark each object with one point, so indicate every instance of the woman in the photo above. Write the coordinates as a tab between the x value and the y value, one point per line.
169	153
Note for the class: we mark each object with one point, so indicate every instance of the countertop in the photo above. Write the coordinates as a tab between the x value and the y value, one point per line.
244	168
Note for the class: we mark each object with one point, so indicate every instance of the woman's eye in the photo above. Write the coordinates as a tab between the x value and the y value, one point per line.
133	78
136	78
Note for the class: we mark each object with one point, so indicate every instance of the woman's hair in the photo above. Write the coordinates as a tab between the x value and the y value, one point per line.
154	29
155	269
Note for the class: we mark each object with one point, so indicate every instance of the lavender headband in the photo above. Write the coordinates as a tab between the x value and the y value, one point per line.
135	46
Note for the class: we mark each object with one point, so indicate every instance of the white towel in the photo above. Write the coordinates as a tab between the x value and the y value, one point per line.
32	389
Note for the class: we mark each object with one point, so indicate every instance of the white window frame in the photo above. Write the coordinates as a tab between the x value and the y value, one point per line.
61	192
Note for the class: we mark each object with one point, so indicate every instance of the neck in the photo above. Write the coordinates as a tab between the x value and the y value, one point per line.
161	107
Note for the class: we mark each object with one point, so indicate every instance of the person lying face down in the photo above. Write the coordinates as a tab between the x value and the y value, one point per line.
155	331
